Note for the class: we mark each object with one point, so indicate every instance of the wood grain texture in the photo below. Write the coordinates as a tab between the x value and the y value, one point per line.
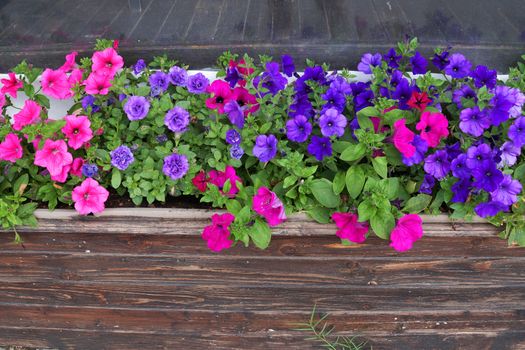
144	279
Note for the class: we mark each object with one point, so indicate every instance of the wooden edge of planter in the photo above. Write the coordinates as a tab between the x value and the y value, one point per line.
174	221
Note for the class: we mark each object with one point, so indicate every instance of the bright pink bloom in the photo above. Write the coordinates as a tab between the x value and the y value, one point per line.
77	130
221	94
97	84
62	177
349	227
241	67
89	197
70	63
76	167
10	148
218	178
268	205
107	62
29	114
75	77
403	138
2	101
433	127
53	156
12	85
409	229
200	181
55	84
245	100
115	44
218	234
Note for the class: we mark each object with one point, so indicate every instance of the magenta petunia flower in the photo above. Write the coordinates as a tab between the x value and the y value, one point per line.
221	94
55	84
53	156
97	84
89	197
218	234
268	205
76	167
62	176
433	127
10	148
107	62
403	138
349	227
219	178
70	63
409	229
77	130
12	85
29	114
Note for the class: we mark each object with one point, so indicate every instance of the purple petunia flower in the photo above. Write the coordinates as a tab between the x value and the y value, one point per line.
392	58
464	91
340	85
396	78
437	164
334	99
232	76
507	191
458	67
177	119
490	208
271	79
178	76
453	150
89	170
298	128
427	185
162	138
265	147
402	93
502	102
441	60
484	77
136	108
473	121
320	147
233	137
139	66
197	83
236	152
509	154
159	82
517	132
364	99
368	61
418	63
121	157
487	177
459	167
332	123
461	190
421	148
175	166
235	113
301	106
477	155
288	65
89	101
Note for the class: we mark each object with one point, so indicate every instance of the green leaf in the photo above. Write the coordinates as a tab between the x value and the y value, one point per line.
289	181
116	178
322	189
382	223
355	180
363	117
380	166
417	203
353	152
20	184
339	182
260	234
319	214
233	206
366	210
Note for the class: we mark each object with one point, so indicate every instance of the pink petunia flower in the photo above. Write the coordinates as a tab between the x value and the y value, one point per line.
97	84
75	77
107	62
89	197
221	94
433	127
219	178
12	85
55	84
62	176
76	167
53	156
2	101
77	130
268	205
218	234
10	148
200	181
70	63
409	229
29	114
245	100
349	227
403	138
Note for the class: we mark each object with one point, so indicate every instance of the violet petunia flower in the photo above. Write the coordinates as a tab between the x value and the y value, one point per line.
507	191
368	61
484	77
392	58
235	113
459	167
477	155
265	147
466	92
437	164
418	156
509	154
487	176
175	166
122	157
418	63
177	119
320	147
427	185
517	132
490	208
197	83
159	82
236	152
233	137
287	65
473	121
458	67
136	107
332	123
178	76
139	66
298	129
461	190
441	60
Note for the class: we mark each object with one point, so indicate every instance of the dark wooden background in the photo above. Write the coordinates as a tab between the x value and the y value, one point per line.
197	31
149	283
